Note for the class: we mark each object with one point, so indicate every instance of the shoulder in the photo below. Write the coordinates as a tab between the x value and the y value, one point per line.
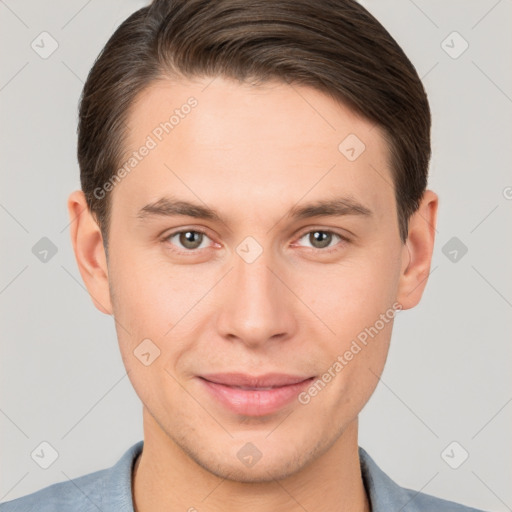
423	502
385	494
82	493
106	490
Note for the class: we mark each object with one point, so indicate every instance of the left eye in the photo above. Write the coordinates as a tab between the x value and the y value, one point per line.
321	239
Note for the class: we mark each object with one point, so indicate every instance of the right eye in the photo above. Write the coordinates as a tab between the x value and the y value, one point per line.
190	239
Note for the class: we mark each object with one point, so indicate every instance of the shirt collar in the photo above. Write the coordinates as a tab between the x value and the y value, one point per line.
383	493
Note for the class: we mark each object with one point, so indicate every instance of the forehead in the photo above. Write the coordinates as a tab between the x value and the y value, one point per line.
223	140
226	111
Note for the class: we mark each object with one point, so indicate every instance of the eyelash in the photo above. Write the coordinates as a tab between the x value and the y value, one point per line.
344	240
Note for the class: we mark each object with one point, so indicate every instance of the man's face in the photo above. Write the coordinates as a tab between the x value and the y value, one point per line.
261	291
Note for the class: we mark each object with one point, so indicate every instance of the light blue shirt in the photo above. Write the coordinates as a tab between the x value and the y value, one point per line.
110	490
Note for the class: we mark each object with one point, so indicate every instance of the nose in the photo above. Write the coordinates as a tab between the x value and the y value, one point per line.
257	306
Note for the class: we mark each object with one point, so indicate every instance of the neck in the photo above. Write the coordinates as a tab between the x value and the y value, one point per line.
166	478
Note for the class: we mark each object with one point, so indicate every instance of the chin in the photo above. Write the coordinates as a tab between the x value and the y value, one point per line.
264	473
273	464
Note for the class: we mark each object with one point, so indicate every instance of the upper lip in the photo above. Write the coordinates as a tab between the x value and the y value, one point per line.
255	381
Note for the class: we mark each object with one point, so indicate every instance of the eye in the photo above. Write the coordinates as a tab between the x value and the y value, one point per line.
189	239
321	238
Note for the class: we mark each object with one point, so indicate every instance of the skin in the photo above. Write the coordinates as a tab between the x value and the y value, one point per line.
252	153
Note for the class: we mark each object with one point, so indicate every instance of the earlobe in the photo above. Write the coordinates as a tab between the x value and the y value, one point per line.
87	242
417	251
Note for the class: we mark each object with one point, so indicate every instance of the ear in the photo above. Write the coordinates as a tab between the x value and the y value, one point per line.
90	255
417	251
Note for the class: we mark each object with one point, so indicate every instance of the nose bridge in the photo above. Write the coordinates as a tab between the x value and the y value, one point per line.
256	279
256	305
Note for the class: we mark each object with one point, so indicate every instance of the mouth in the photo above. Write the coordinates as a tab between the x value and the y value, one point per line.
254	395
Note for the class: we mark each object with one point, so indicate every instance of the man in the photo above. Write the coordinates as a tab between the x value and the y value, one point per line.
253	214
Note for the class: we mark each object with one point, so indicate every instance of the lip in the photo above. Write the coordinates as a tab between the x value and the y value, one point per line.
254	395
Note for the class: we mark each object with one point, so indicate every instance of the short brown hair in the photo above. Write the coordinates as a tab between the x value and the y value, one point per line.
335	46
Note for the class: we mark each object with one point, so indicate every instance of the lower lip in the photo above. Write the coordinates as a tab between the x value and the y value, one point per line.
254	402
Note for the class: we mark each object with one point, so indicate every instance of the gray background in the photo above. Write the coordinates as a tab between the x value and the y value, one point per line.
448	372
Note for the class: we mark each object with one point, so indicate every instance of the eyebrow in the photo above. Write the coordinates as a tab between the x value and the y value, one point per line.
338	206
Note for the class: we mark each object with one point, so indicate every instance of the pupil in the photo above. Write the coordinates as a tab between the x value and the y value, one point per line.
190	239
323	238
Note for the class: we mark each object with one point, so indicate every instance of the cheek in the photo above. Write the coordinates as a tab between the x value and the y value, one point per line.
158	309
350	295
350	371
355	299
150	295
